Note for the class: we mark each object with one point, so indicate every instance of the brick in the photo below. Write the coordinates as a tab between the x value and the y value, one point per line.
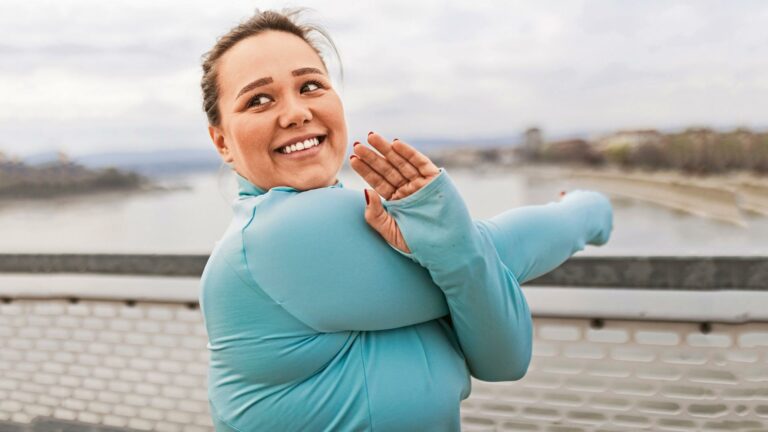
94	384
130	375
148	327
170	366
32	387
68	321
88	360
150	414
73	346
19	344
125	410
163	403
53	368
36	356
78	309
125	350
48	308
63	357
88	418
120	325
110	337
195	343
84	394
200	394
135	400
73	404
84	335
186	381
99	348
104	310
36	321
147	389
197	369
38	410
157	378
11	309
160	313
100	407
164	340
132	313
29	332
8	384
20	417
103	373
78	370
192	406
175	328
93	323
151	352
174	392
69	381
109	397
141	424
6	332
45	379
64	414
60	392
189	315
113	420
204	419
141	364
193	428
48	401
167	427
178	417
23	397
115	362
119	386
136	339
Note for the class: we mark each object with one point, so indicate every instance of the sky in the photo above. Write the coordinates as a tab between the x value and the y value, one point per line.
90	77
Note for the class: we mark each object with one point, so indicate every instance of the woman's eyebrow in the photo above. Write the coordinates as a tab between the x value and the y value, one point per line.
268	80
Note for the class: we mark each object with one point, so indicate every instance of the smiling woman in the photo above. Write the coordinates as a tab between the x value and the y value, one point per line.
325	311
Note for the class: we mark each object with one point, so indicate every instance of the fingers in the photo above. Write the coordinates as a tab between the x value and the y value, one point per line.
371	176
381	165
417	159
385	148
382	222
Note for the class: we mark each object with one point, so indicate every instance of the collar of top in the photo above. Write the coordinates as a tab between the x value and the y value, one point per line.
246	188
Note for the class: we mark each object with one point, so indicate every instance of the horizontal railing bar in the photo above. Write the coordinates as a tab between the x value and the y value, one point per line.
651	272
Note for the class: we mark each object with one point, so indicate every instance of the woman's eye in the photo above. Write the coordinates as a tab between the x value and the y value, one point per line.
259	100
312	86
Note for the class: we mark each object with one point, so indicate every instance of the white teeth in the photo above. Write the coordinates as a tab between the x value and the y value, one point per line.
303	145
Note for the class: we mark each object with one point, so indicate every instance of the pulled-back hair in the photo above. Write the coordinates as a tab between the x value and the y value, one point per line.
286	20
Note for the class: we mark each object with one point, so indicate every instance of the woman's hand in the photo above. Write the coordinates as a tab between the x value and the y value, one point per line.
396	171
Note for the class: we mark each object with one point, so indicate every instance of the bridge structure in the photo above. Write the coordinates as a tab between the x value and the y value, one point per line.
117	343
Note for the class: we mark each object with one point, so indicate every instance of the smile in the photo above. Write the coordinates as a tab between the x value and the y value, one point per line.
302	146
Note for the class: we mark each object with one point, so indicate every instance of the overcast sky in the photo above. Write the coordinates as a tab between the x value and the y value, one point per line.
94	76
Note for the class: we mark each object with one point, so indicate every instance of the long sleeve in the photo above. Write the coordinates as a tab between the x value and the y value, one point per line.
490	315
314	254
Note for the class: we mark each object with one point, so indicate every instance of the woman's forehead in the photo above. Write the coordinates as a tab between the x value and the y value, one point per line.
271	54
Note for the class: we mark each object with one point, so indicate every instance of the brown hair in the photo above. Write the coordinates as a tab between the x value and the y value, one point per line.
285	21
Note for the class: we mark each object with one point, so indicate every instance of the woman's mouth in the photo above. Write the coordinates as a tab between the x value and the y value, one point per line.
307	147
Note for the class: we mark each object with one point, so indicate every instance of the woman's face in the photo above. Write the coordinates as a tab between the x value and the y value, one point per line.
275	93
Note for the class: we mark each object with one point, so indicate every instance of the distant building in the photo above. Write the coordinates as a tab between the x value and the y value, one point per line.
532	142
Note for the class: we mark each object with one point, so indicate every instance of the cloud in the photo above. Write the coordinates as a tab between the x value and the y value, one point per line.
431	68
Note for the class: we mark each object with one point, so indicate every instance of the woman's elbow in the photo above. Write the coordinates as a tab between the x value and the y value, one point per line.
513	369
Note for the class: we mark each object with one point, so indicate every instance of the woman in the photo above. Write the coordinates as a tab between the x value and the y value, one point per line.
329	310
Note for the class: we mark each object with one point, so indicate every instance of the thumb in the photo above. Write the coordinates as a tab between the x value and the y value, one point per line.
382	222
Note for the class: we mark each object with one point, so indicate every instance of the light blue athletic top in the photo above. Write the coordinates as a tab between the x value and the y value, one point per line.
315	323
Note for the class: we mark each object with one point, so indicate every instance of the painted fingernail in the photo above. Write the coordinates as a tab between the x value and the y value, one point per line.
367	200
370	133
355	143
352	156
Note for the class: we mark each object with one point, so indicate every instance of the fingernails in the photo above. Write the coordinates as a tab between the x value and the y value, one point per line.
352	156
370	133
395	139
562	193
367	200
355	143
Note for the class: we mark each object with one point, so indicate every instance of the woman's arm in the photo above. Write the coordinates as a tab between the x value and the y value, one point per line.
477	264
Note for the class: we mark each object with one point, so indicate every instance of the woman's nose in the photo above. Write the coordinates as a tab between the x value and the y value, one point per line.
295	113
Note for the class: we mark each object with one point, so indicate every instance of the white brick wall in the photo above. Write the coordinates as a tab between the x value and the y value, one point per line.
144	367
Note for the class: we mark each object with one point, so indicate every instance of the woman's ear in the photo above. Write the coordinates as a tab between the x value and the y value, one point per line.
221	146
